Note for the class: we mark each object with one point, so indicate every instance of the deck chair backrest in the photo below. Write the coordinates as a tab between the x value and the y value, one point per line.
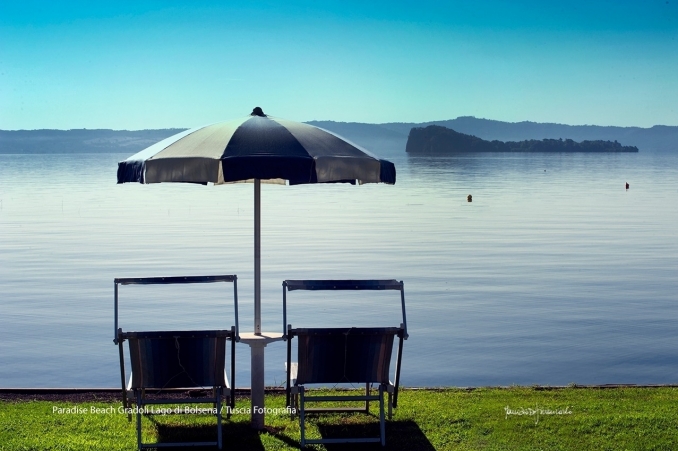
350	355
183	359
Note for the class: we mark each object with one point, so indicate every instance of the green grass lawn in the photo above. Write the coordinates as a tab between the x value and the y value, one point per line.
516	418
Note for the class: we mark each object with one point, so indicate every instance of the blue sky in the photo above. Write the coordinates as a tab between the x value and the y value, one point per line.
152	64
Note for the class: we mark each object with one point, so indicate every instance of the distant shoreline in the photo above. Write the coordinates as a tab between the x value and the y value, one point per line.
82	394
386	140
25	142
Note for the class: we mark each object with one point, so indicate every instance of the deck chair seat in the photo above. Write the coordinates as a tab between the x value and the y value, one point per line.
344	355
177	359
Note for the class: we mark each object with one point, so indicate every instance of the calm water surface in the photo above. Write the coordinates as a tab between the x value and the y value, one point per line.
553	274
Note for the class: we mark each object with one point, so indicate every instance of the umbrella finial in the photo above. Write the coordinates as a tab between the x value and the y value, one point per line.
258	112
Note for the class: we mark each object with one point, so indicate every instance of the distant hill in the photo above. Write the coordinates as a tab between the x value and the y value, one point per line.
658	139
80	141
385	140
441	140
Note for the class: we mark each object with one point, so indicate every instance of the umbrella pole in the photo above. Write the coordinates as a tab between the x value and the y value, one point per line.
257	256
257	341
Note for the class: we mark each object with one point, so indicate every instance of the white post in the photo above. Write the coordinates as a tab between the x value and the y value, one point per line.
257	418
257	343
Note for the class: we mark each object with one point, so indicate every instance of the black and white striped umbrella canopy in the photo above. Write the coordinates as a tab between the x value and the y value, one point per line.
256	147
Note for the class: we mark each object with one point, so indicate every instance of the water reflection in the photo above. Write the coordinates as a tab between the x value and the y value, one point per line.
555	273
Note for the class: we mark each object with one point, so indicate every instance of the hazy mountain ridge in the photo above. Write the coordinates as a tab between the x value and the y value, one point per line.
80	140
384	139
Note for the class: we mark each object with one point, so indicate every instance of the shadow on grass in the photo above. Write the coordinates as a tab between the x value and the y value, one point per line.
186	434
234	436
400	435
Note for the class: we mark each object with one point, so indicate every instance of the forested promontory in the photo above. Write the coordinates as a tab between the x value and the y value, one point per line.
442	140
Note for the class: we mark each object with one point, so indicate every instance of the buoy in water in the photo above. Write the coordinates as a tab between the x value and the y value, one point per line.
469	198
627	185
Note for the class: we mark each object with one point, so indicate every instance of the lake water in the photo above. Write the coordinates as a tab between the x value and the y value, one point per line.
553	274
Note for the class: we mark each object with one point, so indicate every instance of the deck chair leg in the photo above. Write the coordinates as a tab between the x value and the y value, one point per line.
130	394
122	374
367	393
302	417
214	395
231	392
390	406
138	419
218	393
382	424
296	402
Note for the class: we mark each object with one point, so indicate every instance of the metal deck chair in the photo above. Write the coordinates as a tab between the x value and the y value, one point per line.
165	360
343	355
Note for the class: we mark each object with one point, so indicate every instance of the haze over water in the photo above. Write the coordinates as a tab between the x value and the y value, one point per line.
553	274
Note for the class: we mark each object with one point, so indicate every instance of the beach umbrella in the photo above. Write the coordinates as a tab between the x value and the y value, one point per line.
256	148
